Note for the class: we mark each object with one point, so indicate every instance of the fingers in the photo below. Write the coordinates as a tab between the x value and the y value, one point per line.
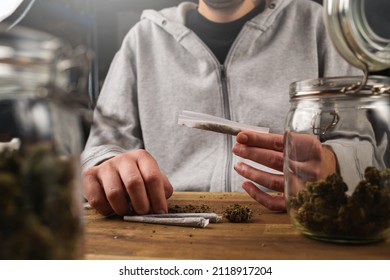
104	190
274	203
308	158
307	171
270	158
303	147
133	176
263	148
94	193
261	140
271	181
168	189
113	189
266	149
154	183
133	184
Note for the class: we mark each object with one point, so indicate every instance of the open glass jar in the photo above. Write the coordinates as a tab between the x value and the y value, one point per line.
337	159
40	142
337	142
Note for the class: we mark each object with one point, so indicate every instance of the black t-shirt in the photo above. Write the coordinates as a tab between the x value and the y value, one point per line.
219	37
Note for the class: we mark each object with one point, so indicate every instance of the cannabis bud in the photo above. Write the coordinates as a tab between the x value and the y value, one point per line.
37	220
237	213
323	207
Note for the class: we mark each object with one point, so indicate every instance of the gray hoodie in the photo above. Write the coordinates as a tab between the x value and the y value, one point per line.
163	68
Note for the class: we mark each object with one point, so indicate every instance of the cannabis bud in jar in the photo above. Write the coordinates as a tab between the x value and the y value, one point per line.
324	208
237	213
39	218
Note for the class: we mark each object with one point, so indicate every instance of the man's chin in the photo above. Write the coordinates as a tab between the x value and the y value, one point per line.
223	4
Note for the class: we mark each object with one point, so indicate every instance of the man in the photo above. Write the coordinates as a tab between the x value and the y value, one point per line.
229	58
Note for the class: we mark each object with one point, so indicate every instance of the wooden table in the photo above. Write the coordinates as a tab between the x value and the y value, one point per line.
267	236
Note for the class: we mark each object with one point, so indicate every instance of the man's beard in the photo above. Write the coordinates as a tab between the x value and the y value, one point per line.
223	5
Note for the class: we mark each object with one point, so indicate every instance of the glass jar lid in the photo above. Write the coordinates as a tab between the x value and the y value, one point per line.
25	47
336	86
360	31
42	63
31	56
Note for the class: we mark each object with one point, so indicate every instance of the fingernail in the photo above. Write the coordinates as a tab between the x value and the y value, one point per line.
279	145
161	212
238	166
246	187
236	148
242	138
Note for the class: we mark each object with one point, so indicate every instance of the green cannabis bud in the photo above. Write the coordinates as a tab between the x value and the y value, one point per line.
324	207
237	213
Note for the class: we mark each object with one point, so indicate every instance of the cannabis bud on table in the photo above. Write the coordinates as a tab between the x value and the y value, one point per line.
323	207
237	213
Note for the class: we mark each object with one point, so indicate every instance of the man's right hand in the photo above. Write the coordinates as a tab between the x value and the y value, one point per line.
133	177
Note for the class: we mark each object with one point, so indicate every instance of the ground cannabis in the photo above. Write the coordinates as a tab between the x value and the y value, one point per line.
189	208
237	213
218	128
38	218
324	207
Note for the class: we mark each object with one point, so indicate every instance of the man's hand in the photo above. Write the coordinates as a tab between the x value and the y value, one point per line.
266	149
306	158
133	177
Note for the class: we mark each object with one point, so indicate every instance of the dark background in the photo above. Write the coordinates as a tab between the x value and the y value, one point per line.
98	24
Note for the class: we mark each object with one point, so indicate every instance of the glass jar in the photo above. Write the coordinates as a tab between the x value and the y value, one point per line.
40	144
359	30
337	159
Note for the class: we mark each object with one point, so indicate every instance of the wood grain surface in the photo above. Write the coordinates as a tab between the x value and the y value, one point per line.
268	235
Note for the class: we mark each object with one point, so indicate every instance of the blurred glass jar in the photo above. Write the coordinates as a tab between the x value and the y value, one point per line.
337	159
40	144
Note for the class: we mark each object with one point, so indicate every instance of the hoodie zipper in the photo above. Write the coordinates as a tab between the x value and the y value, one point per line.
226	106
229	139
